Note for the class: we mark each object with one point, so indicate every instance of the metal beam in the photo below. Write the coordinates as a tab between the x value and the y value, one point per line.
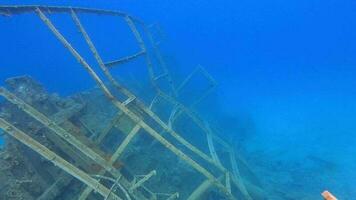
58	130
124	59
23	9
56	159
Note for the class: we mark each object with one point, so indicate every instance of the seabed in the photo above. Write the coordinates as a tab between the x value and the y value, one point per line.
110	142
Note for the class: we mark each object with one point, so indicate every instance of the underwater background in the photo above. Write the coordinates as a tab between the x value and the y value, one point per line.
286	72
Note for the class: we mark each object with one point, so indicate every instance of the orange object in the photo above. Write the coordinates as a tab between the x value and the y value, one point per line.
328	196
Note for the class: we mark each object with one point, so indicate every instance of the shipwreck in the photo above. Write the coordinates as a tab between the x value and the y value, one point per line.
112	142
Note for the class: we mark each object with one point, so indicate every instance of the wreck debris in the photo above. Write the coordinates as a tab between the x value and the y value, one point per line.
57	130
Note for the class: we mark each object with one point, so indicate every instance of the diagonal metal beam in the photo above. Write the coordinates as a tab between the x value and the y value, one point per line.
143	180
127	111
128	93
68	46
56	159
58	130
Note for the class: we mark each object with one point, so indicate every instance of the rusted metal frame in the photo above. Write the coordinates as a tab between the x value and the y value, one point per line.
55	189
124	60
177	112
195	118
102	66
169	130
72	50
148	129
60	118
206	93
177	136
76	20
74	153
58	130
63	181
180	138
80	60
127	92
142	45
98	59
205	74
161	61
171	147
56	159
122	107
209	133
131	97
210	136
86	192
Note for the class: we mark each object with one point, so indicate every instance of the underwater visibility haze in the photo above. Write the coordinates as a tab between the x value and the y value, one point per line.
276	80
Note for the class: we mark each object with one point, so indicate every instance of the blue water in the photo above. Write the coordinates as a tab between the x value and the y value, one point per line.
289	66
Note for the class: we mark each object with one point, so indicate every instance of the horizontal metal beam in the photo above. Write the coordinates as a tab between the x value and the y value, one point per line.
9	10
124	59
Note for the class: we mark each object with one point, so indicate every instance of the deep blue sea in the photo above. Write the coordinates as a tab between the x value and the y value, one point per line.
286	73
